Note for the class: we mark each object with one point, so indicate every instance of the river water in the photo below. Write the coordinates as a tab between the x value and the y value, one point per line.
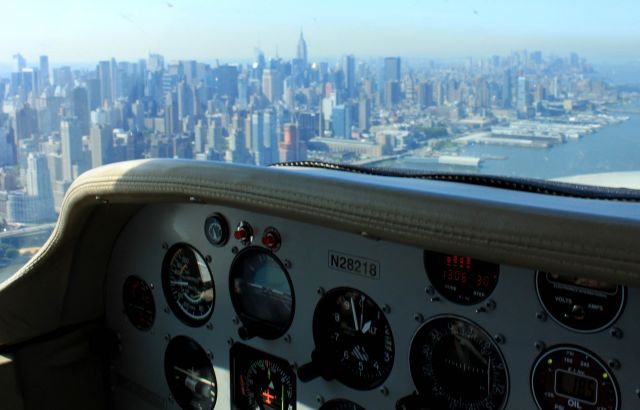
613	148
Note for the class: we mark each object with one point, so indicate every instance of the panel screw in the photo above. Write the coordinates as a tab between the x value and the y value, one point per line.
384	390
386	309
167	310
614	364
539	345
208	258
429	290
171	398
287	263
481	310
490	304
230	341
210	355
152	286
499	338
235	320
320	291
167	337
434	299
418	317
234	250
287	338
616	332
319	399
210	326
165	245
541	316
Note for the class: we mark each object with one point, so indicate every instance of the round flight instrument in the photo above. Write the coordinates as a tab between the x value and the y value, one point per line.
216	230
353	338
261	293
461	279
188	285
138	303
190	374
569	377
260	380
456	365
581	304
341	404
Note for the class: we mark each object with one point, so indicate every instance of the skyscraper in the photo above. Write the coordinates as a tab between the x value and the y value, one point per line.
392	69
100	144
104	75
39	188
521	95
507	89
80	105
21	63
301	51
292	149
71	147
349	70
341	121
272	85
44	72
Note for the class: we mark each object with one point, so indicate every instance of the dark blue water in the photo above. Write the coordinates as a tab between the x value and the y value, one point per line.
613	148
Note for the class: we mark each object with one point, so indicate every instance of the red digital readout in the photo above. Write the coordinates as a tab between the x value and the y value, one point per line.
459	262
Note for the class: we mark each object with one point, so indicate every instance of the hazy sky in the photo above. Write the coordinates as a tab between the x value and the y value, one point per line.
89	30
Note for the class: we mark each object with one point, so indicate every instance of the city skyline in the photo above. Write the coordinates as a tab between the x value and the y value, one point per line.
190	30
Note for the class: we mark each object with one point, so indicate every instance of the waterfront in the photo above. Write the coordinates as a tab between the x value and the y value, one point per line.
612	148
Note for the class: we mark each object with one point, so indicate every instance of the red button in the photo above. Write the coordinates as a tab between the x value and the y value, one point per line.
240	234
269	240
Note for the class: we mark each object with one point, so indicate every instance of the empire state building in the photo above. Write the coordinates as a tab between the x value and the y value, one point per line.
302	49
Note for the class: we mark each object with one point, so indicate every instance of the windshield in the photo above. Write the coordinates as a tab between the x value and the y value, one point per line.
544	89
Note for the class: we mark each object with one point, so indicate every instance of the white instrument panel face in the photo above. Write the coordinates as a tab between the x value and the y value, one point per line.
252	322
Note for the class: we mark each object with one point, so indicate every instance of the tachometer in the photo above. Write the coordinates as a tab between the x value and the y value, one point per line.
569	377
260	380
353	338
261	293
456	365
138	302
461	279
581	304
190	374
188	285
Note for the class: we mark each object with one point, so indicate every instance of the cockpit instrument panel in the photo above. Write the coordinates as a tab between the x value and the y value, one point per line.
217	307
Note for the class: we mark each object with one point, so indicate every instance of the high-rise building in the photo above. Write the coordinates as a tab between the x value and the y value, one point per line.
104	76
522	94
507	89
80	108
272	85
392	94
101	144
44	72
364	114
292	149
301	51
155	62
185	100
71	139
391	69
425	95
39	191
226	81
341	121
349	70
26	122
21	63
